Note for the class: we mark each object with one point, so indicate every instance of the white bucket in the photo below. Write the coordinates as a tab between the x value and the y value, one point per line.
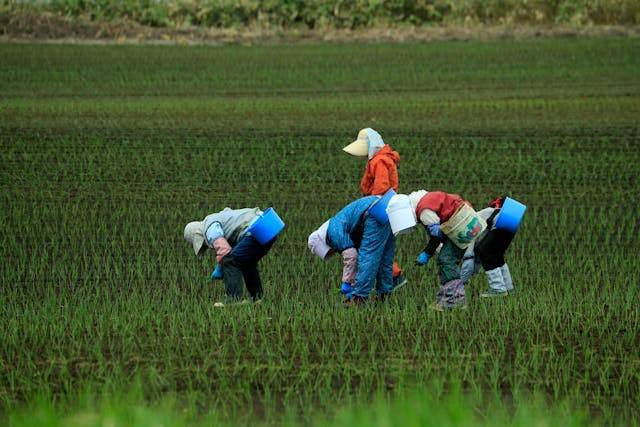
464	226
402	217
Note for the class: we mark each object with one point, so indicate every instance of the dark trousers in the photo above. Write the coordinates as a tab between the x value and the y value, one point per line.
449	260
492	247
242	263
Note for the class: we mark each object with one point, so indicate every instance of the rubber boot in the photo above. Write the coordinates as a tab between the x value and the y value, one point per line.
506	276
496	284
451	295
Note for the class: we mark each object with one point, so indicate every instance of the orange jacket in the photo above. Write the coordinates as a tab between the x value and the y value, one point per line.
381	172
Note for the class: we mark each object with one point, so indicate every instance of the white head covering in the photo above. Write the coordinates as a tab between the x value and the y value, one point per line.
317	241
194	234
368	143
402	217
375	142
414	198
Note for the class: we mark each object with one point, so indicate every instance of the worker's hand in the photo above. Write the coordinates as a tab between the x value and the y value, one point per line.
217	273
346	288
434	230
423	258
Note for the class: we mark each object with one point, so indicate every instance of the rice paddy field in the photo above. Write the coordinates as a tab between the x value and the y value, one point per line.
107	316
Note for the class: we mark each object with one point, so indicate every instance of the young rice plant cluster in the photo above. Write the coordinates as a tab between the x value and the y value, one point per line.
107	152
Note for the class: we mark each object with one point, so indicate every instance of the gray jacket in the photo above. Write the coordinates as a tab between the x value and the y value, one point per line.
234	222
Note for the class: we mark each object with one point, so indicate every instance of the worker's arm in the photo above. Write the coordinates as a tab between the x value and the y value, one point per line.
429	250
429	217
432	245
349	265
215	240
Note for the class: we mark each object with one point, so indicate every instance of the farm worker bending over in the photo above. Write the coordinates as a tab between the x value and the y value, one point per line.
367	249
449	220
237	252
488	251
380	174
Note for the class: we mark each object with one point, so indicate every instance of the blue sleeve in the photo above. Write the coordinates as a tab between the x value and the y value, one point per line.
213	233
338	235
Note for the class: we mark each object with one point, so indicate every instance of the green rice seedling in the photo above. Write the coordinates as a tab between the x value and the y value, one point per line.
104	162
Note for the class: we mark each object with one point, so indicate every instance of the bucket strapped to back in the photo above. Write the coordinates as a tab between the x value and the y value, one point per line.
464	226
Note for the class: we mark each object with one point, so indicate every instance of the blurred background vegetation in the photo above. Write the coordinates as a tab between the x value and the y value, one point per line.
336	14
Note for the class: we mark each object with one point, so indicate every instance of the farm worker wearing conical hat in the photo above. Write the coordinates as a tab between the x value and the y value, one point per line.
237	252
439	212
367	248
488	251
380	174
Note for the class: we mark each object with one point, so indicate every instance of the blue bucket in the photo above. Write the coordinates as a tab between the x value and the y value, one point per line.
379	210
266	227
510	215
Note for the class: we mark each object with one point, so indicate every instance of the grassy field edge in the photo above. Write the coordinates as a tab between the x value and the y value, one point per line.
29	25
